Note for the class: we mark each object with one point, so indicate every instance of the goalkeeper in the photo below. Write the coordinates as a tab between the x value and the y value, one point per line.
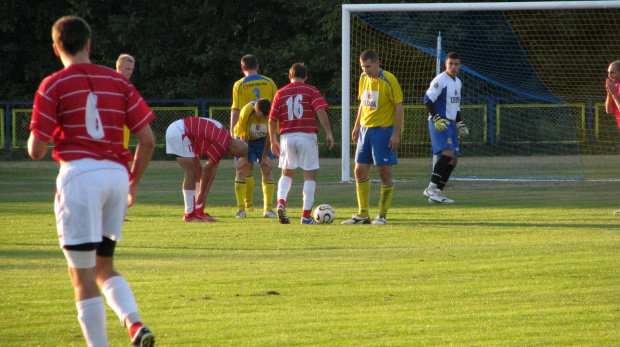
443	102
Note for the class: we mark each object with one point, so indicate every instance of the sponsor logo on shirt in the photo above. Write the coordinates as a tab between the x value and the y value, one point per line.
370	99
258	130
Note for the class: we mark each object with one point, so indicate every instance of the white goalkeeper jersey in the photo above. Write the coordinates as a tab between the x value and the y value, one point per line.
445	93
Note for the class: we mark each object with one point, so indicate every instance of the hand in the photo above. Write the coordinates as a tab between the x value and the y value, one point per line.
355	134
275	148
394	142
462	129
131	197
200	199
611	87
441	124
329	140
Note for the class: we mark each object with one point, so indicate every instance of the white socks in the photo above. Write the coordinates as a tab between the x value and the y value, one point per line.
284	186
91	315
188	198
120	298
309	188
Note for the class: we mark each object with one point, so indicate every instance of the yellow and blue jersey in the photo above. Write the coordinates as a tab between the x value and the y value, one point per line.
252	88
249	124
378	98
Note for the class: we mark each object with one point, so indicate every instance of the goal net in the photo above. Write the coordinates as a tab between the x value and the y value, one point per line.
533	78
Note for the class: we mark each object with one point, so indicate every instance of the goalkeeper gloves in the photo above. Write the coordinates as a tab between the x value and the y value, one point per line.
440	124
462	129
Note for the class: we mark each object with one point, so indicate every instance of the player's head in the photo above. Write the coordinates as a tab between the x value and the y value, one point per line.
249	62
613	72
298	71
370	64
453	64
262	107
125	65
71	35
237	148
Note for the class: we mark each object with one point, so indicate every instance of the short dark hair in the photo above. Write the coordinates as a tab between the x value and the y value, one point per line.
70	34
453	56
264	106
369	55
249	62
298	70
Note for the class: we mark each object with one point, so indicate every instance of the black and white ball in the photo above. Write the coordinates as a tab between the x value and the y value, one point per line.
324	214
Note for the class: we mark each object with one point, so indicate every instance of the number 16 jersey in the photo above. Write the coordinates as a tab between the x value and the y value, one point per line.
294	106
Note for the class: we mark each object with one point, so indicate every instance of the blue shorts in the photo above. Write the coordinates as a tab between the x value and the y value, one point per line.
373	146
255	150
445	140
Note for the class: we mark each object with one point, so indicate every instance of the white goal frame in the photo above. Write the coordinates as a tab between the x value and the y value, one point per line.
490	6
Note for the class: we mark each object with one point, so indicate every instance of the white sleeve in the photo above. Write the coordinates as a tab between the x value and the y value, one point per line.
437	85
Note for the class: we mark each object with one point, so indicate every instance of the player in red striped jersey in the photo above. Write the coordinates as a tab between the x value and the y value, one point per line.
194	137
293	108
82	110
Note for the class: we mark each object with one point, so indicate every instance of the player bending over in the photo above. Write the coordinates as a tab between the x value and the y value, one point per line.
194	137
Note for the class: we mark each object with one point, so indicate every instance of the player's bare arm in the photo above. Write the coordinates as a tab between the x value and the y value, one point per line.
324	120
208	174
355	134
142	157
275	146
398	121
234	118
266	162
612	96
37	148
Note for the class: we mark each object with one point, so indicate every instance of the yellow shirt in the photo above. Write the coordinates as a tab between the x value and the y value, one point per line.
252	88
249	125
377	99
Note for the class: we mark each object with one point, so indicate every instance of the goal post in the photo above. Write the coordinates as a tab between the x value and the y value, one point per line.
533	81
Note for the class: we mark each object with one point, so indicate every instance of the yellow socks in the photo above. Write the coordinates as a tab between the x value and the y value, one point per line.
268	188
363	197
240	193
385	199
249	192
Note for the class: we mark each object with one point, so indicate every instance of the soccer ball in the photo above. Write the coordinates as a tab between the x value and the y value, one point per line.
324	214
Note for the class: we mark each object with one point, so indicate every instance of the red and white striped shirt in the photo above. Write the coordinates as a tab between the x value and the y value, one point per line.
294	107
209	137
59	113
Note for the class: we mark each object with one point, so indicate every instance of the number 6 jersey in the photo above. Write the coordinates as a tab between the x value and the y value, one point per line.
84	122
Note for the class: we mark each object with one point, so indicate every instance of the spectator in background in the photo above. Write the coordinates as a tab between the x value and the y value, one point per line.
95	185
251	87
612	102
125	65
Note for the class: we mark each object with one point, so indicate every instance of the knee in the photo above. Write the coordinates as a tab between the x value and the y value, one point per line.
385	173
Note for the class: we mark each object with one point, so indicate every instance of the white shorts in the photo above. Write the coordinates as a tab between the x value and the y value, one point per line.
91	201
299	150
176	142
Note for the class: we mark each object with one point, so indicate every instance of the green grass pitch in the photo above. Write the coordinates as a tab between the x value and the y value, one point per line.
509	264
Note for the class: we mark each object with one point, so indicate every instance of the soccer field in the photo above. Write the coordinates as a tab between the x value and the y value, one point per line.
509	264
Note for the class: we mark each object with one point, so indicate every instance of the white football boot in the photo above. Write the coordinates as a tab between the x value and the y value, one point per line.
435	195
